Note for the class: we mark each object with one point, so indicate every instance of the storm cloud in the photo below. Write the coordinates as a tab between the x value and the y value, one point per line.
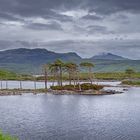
71	25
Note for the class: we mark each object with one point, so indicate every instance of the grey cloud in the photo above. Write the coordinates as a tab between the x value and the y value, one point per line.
57	16
43	7
113	6
7	44
98	29
13	9
126	48
41	26
4	16
10	17
92	17
28	8
104	17
121	18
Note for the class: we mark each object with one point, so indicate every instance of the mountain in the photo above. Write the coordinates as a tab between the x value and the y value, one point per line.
35	56
108	56
31	60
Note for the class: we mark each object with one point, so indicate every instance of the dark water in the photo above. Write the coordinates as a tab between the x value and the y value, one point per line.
55	117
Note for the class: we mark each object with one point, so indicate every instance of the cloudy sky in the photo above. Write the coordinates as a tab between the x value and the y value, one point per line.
88	27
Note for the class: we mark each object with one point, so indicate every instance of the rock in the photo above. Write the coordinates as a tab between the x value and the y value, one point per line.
125	89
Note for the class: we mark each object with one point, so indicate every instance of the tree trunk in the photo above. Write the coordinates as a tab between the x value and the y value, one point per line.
61	76
53	79
20	84
90	76
1	85
46	79
78	82
58	79
74	79
6	84
69	78
35	84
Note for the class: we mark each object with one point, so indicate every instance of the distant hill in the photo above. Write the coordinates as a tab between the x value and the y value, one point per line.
108	56
31	60
115	65
31	56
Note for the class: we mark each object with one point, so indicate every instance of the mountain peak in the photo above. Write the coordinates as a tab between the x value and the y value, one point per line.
108	56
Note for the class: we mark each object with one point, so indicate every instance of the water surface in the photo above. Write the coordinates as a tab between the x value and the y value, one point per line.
69	117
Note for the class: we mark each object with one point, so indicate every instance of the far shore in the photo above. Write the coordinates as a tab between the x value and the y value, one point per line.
95	80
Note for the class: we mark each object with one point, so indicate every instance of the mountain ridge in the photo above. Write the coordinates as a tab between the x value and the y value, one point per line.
24	55
108	56
25	60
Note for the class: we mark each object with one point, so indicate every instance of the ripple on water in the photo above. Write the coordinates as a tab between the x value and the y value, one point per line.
72	117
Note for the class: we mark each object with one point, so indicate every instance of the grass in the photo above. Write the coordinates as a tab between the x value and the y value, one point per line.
7	137
7	75
112	76
101	76
130	82
84	86
117	76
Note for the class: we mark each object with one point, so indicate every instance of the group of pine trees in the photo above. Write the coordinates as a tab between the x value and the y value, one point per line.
58	68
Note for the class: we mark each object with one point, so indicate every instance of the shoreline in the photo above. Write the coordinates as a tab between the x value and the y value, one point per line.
13	92
86	92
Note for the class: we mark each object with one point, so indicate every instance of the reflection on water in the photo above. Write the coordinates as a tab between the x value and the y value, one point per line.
69	117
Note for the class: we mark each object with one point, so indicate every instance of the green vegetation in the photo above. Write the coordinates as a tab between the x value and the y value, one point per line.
100	76
8	75
31	60
133	83
129	71
69	75
84	86
71	69
117	76
58	69
89	66
6	137
88	86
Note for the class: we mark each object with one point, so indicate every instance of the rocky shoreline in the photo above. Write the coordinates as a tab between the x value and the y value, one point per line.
58	92
85	92
9	92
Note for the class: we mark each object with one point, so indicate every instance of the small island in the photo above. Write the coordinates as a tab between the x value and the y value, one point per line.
65	78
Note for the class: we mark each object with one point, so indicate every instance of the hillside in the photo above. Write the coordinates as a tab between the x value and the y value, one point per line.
108	56
31	60
7	74
115	65
33	56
